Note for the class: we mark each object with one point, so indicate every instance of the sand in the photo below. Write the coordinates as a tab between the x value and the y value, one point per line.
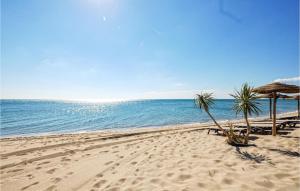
179	158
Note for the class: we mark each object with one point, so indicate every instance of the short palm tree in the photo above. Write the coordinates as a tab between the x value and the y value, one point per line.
205	101
246	102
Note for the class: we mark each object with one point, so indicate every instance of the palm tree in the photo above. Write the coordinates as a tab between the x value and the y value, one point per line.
205	101
246	102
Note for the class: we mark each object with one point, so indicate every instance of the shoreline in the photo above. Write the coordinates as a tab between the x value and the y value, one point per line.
164	158
142	129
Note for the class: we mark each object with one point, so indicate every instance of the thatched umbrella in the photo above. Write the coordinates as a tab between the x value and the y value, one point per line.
297	97
274	89
270	96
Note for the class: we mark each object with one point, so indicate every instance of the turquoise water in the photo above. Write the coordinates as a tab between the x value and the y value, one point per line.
23	117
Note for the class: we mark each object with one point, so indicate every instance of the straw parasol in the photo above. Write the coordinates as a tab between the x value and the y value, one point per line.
297	97
274	89
270	96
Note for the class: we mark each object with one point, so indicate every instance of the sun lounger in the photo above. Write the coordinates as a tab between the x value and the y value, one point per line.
265	128
289	118
217	131
290	123
280	124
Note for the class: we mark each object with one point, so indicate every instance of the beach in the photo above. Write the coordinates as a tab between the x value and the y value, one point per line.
181	157
109	95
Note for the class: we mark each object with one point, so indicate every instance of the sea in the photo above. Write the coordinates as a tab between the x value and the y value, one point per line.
32	117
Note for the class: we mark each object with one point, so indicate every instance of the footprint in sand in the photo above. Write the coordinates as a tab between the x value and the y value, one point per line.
134	182
184	177
24	188
114	189
265	183
16	170
170	174
46	162
56	180
20	154
30	176
154	180
99	184
99	175
64	159
51	188
200	185
108	162
281	175
227	181
134	163
122	180
51	171
211	173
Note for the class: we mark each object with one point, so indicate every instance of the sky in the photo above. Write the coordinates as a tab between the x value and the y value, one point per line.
141	49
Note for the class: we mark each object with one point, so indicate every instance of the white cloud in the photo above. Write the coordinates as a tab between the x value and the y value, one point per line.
294	80
103	18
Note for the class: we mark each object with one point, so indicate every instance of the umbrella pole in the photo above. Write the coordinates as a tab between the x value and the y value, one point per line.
298	109
270	107
274	114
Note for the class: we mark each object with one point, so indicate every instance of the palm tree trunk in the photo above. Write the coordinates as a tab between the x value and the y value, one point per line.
216	123
248	127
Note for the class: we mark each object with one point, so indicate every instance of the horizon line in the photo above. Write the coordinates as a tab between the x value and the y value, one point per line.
100	100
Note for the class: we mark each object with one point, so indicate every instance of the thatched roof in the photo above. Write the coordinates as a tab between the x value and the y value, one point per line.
271	96
277	87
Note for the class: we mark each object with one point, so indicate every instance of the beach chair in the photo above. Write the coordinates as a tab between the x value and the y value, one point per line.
217	131
290	123
289	118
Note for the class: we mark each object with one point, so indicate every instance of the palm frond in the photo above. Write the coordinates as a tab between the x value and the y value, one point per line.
204	101
246	101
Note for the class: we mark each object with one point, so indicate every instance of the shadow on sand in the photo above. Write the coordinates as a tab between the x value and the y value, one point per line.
286	152
258	158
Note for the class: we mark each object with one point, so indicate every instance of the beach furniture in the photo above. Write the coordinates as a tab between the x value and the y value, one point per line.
265	128
217	131
281	123
274	89
289	118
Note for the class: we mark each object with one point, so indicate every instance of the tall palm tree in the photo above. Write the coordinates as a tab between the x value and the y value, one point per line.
205	101
246	102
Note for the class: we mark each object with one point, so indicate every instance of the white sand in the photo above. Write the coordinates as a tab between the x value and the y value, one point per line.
184	158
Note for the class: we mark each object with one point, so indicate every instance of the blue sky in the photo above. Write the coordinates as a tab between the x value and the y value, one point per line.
136	49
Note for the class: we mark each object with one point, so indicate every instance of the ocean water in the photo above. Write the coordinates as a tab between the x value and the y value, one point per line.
24	117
